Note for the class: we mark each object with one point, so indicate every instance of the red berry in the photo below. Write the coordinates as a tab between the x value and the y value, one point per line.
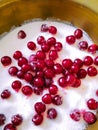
67	63
40	64
38	90
96	60
16	120
58	68
49	63
44	28
89	117
97	92
40	73
37	119
88	60
16	85
25	68
75	115
92	48
70	79
81	73
27	90
53	54
40	107
57	100
77	83
74	68
53	89
13	70
31	45
47	99
51	113
48	82
17	54
51	41
78	33
22	61
20	74
2	119
45	47
58	46
92	71
6	60
32	58
49	73
79	62
83	45
21	34
41	40
62	82
5	94
40	55
70	39
38	82
92	104
28	77
10	126
52	30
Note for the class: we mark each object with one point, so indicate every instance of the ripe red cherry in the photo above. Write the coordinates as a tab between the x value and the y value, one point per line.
49	63
70	39
17	54
88	60
53	89
52	29
67	63
13	70
47	99
78	33
92	104
5	94
31	45
21	34
20	74
38	82
75	115
44	28
45	47
79	62
83	45
49	73
62	82
89	117
22	61
51	41
37	119
41	40
52	113
10	126
58	68
16	85
6	60
57	100
40	107
58	46
92	48
16	120
27	90
28	77
2	119
96	60
92	71
81	73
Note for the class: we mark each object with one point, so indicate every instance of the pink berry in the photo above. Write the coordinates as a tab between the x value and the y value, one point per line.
31	45
70	39
79	62
88	60
52	30
5	94
74	68
92	71
83	45
17	54
96	60
53	89
58	68
40	55
16	85
49	73
13	70
45	47
58	46
62	82
81	73
51	113
22	61
75	115
28	77
6	60
51	41
38	82
21	34
78	33
10	126
77	83
67	63
49	63
41	40
16	120
89	117
37	119
44	28
57	100
47	99
20	74
92	48
38	90
27	90
92	104
40	107
2	119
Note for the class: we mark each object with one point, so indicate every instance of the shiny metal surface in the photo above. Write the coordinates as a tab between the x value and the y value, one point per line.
15	12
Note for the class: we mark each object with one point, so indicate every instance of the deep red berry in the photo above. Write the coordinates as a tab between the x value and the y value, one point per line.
25	68
40	55
10	126
47	99
58	46
67	63
28	77
41	40
75	115
44	28
83	45
53	89
13	70
38	82
51	41
97	92
89	117
66	72
53	54
16	120
2	119
88	60
32	58
52	113
31	45
16	85
45	47
62	82
57	100
38	90
92	48
48	82
92	104
74	68
6	60
40	73
58	68
21	34
70	79
96	60
40	107
5	94
27	90
81	73
49	73
37	119
22	61
77	83
70	39
52	29
40	64
79	62
78	33
92	71
20	74
49	63
17	54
